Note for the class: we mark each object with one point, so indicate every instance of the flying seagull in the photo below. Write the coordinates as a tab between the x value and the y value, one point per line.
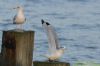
55	50
19	18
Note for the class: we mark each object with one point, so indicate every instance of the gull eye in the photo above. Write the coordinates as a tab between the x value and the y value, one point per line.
18	7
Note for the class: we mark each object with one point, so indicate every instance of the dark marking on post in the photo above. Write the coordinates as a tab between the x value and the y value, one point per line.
8	48
9	41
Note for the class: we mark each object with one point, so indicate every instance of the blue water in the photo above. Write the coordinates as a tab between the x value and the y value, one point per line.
77	23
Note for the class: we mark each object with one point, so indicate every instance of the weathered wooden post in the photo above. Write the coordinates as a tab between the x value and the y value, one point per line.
46	63
17	48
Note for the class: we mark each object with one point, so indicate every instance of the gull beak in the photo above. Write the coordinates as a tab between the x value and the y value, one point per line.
65	48
15	8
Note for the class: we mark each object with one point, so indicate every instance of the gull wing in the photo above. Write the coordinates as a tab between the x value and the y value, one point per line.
52	37
14	19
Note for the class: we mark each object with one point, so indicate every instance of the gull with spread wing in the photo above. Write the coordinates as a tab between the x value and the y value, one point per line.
55	50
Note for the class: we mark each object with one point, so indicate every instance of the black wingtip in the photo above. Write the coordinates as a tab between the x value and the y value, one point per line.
42	21
47	23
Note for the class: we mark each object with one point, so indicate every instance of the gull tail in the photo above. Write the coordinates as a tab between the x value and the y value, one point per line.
47	56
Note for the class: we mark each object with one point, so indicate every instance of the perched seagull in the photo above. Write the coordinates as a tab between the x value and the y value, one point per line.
19	18
55	50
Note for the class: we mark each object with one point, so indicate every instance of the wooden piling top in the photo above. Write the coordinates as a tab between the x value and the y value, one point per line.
46	63
17	47
18	30
49	62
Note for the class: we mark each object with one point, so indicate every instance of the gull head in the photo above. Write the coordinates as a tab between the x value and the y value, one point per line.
19	8
62	47
61	50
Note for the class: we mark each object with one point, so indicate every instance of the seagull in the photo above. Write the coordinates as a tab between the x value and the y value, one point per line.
19	18
54	49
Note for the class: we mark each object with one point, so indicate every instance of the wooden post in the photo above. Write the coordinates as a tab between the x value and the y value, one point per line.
40	63
17	48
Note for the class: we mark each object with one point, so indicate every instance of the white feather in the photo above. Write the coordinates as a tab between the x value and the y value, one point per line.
56	51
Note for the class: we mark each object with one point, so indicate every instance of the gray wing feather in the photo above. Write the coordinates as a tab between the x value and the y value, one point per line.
14	19
52	37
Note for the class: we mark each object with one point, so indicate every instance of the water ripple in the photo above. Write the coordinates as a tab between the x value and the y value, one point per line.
91	47
78	0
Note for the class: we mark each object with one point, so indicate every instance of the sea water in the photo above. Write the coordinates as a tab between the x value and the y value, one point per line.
76	22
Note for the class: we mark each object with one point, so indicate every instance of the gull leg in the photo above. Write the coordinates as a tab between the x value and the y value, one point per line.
21	26
17	26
